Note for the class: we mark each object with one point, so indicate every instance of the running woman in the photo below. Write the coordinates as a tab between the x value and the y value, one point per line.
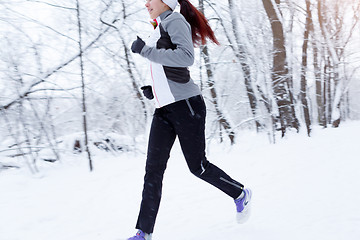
180	108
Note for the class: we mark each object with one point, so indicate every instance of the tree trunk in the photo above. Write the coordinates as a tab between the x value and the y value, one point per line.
336	75
279	73
327	88
83	87
303	84
318	84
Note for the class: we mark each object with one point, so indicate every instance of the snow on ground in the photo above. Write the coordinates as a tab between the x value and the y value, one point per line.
303	188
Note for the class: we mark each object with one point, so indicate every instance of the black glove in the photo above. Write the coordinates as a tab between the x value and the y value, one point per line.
147	91
137	45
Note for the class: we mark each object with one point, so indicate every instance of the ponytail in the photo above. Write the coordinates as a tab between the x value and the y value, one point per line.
200	29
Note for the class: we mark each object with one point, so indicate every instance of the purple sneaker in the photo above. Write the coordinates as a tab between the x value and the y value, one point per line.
243	206
140	235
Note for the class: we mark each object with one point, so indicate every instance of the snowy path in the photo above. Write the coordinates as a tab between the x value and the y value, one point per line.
304	188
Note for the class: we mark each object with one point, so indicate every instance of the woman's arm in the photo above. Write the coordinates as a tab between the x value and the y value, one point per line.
180	34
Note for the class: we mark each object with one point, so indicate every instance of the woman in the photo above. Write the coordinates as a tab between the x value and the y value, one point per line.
180	108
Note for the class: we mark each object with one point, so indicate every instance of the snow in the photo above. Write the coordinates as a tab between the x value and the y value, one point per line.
303	188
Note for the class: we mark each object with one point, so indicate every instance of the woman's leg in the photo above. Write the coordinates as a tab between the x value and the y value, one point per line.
161	140
188	118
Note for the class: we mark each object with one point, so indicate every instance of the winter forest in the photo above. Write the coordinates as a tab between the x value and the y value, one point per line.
281	66
68	75
283	115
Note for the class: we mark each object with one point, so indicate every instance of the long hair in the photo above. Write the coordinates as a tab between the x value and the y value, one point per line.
200	29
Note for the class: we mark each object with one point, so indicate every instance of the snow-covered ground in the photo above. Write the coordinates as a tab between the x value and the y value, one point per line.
303	188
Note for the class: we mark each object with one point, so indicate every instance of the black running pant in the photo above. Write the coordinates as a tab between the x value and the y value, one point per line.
185	119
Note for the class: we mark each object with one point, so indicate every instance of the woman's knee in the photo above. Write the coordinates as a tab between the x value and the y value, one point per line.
198	169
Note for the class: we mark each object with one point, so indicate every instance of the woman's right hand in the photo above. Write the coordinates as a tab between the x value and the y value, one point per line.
137	45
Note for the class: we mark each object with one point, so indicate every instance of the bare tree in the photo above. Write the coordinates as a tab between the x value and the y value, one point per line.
241	55
130	66
85	127
280	77
303	85
223	121
30	79
337	22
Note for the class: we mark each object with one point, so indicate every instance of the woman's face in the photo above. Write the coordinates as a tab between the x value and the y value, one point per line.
156	7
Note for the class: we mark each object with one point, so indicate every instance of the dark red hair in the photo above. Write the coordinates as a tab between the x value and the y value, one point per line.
200	28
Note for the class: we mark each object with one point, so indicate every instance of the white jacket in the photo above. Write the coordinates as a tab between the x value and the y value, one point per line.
170	51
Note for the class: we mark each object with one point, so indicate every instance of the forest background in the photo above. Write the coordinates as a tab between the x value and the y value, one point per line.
69	82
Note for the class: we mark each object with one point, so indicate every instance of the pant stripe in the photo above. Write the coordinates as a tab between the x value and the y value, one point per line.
234	184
